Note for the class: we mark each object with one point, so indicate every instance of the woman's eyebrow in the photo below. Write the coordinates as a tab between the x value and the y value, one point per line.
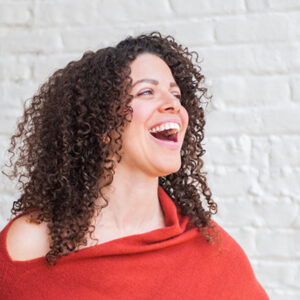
152	81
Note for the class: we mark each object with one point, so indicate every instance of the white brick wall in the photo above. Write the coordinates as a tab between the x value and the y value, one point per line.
252	64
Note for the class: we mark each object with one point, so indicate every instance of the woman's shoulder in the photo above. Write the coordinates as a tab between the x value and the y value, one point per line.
231	251
26	239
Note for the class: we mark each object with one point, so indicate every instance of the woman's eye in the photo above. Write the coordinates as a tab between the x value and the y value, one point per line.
177	96
147	92
150	92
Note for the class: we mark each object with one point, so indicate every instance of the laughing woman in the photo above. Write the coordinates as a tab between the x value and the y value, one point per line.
113	202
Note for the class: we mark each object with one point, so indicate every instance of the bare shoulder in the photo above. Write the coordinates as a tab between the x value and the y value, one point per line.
27	240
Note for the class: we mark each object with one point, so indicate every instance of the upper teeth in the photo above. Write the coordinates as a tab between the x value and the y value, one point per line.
165	126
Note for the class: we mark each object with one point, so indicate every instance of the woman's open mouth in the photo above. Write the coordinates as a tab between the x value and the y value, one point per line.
166	135
167	140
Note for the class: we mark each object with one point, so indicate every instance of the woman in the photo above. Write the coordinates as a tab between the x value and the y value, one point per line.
114	205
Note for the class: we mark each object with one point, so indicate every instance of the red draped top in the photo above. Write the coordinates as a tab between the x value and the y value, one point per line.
173	262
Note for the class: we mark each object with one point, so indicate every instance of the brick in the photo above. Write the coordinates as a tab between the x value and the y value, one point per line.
228	182
193	32
260	152
183	31
294	25
277	273
296	223
279	294
295	86
45	65
134	11
82	39
281	153
283	5
259	272
4	156
14	94
7	186
203	7
26	40
282	183
232	211
67	12
123	30
256	190
276	212
293	58
14	69
247	29
8	120
245	237
297	242
224	60
255	121
270	59
257	5
15	13
230	151
276	243
5	207
251	59
281	120
221	123
243	91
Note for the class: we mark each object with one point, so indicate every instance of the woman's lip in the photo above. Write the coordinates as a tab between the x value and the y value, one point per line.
165	143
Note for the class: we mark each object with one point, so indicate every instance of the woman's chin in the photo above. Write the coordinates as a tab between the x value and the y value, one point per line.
170	170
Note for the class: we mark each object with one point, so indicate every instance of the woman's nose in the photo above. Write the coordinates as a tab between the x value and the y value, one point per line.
170	103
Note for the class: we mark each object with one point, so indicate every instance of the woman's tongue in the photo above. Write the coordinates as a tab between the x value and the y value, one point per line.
162	136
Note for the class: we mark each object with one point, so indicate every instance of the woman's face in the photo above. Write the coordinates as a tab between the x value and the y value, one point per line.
156	102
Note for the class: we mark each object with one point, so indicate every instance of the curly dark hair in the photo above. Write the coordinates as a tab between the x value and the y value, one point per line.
62	156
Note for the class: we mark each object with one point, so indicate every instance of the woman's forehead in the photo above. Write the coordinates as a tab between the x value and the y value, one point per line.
150	66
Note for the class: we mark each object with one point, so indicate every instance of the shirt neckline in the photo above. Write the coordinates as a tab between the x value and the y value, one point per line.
143	242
